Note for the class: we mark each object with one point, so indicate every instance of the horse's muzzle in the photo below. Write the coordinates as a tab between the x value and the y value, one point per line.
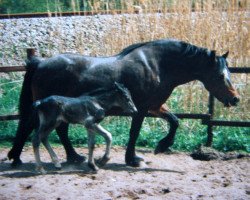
233	102
236	100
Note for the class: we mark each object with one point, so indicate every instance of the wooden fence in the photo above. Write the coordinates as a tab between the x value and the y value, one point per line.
206	119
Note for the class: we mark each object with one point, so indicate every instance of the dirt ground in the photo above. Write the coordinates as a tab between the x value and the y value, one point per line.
165	176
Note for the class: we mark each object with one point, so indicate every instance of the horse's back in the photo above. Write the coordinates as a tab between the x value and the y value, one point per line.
137	67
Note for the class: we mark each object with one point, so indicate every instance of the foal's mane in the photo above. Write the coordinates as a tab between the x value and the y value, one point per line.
100	91
97	91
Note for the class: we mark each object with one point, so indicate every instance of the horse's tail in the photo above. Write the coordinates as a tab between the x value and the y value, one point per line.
25	110
26	101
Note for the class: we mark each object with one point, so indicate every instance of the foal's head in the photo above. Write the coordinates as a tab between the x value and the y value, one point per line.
122	98
217	80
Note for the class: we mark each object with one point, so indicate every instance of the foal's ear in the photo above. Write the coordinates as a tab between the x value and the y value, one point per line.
225	55
118	86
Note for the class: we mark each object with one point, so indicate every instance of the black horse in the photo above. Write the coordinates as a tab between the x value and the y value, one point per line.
150	70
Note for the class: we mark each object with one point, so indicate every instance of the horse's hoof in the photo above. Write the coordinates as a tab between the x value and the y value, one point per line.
102	161
135	162
16	163
76	159
160	149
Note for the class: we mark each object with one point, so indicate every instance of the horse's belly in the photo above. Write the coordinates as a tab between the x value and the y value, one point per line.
47	82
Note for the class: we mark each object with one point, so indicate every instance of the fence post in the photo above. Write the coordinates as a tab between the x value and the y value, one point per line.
210	126
30	52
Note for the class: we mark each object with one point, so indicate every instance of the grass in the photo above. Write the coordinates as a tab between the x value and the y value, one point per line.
189	135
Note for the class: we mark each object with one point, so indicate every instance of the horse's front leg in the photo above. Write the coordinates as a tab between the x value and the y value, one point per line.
130	157
167	141
72	156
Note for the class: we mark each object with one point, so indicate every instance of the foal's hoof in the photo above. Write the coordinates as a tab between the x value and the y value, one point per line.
102	161
58	166
41	170
93	167
135	161
75	159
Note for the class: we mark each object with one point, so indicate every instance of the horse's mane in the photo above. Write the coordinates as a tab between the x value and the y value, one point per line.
131	48
190	50
187	50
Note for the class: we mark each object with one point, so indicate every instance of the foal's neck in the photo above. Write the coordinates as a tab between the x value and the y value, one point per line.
106	99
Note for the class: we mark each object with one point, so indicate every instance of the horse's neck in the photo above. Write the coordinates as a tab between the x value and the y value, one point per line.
186	69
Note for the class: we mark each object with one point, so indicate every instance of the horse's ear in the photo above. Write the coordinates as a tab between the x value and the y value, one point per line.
225	55
213	55
213	58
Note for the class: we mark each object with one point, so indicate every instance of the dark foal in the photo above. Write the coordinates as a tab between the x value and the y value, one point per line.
89	110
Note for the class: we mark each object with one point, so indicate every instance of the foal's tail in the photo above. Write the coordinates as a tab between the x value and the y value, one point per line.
26	101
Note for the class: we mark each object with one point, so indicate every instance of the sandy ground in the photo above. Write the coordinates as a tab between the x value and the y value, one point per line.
165	176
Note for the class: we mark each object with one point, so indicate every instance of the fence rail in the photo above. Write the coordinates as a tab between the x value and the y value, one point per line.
206	119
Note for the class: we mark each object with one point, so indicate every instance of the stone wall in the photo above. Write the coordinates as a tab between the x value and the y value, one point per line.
103	35
82	34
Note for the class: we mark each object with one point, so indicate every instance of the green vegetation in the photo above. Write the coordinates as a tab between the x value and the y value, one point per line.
190	134
34	6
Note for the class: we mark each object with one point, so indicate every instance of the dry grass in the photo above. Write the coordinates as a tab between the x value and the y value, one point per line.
220	25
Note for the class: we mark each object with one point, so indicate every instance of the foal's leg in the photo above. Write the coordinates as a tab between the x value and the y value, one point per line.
52	154
36	144
72	156
91	146
167	141
108	138
130	157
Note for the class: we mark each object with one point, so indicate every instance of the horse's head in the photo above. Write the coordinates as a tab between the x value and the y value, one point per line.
217	80
123	99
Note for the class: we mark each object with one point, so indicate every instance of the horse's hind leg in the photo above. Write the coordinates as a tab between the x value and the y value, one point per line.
167	141
72	156
108	138
25	128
